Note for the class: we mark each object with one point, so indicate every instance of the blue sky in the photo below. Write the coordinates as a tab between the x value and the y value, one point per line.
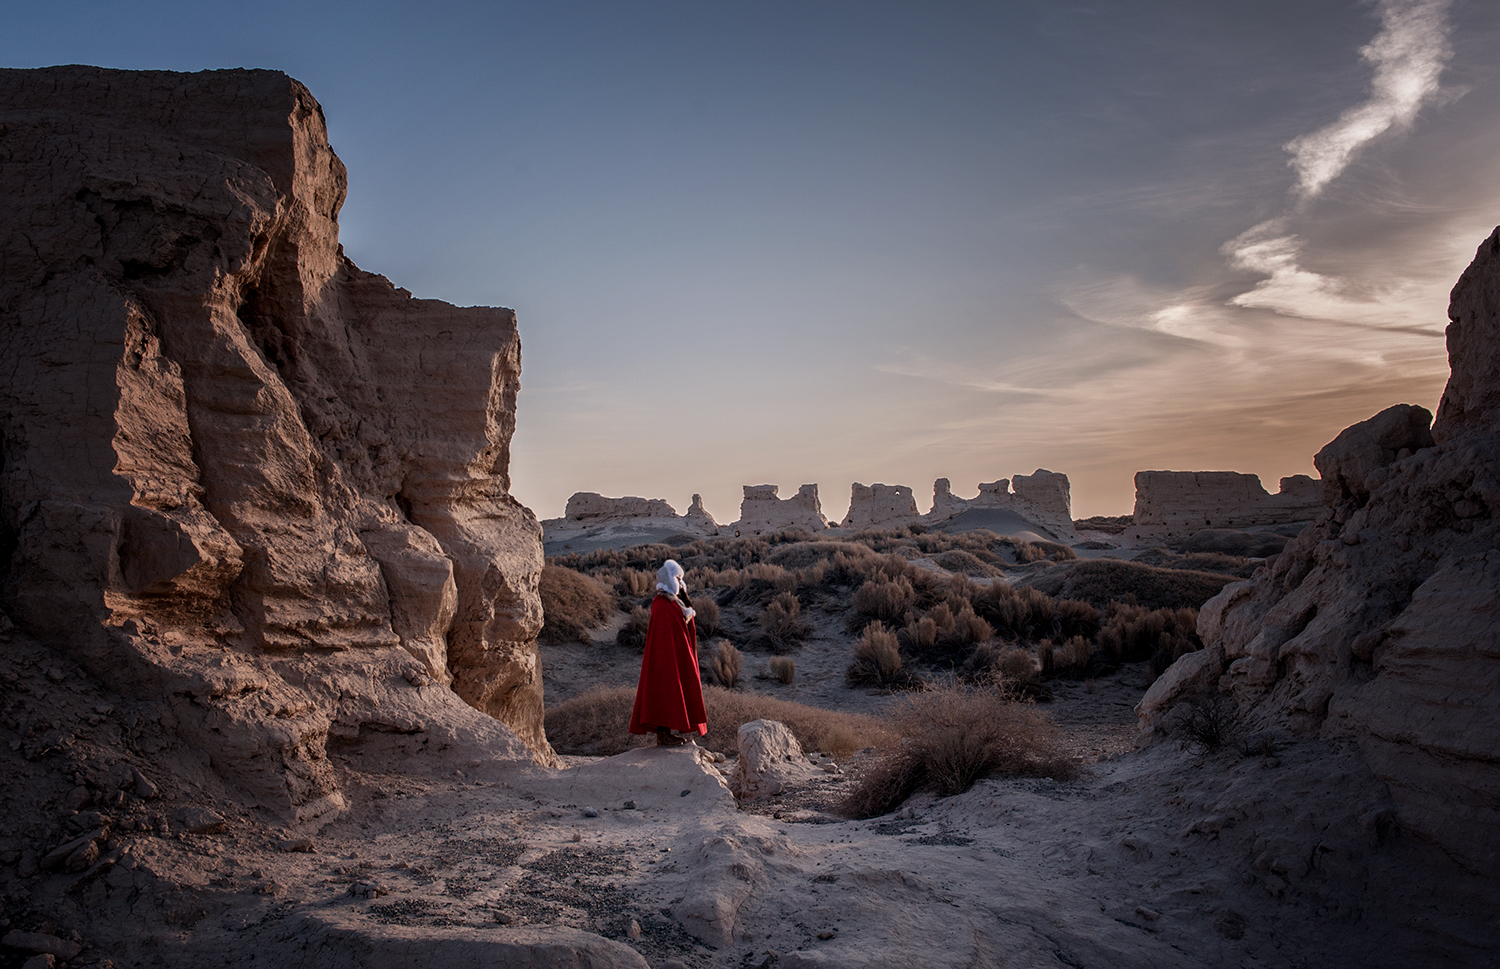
835	242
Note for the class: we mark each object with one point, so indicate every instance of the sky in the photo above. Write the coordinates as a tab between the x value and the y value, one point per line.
794	242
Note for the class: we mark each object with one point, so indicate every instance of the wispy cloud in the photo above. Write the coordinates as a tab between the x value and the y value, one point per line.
1409	55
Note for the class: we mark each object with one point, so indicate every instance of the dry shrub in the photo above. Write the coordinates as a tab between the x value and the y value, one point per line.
884	599
965	563
813	575
1131	634
1027	552
878	662
1073	659
707	618
952	737
636	582
1023	612
596	723
966	629
633	633
1007	666
572	603
783	669
782	622
920	635
725	663
1109	524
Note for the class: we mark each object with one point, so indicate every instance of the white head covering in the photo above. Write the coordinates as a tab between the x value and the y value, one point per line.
670	578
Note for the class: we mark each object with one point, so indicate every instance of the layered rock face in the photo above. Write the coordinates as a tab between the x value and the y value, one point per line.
238	471
1175	504
880	506
762	511
1381	621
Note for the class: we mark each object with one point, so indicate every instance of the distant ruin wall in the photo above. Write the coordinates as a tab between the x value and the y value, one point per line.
1175	504
1042	497
761	511
586	505
880	506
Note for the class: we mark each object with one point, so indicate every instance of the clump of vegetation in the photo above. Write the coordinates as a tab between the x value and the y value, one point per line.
965	563
1215	721
1073	659
1028	552
1010	667
707	619
782	622
632	635
572	604
783	669
878	662
1131	634
884	599
951	737
595	723
725	663
1108	524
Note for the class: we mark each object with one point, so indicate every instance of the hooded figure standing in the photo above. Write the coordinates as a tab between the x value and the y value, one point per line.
670	695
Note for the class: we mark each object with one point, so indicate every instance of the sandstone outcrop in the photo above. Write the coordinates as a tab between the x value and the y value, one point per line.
880	506
762	511
1175	504
239	473
1380	623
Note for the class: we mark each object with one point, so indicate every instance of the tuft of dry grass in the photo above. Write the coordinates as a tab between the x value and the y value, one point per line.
1131	634
782	622
725	664
633	633
1073	659
878	662
1008	666
965	563
884	599
952	736
595	723
707	618
572	604
783	669
1028	552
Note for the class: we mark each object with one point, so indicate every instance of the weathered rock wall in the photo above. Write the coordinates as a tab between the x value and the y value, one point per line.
235	469
586	505
1175	504
880	506
1381	622
761	511
1043	497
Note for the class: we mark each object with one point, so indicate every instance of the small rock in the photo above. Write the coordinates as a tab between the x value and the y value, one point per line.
104	709
85	856
44	961
269	888
504	918
297	844
28	865
634	929
684	793
1150	915
66	850
86	820
368	889
630	805
55	675
827	934
76	798
143	786
589	812
199	820
63	949
9	857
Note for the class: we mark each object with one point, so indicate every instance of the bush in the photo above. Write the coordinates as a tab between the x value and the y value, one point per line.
952	737
1108	524
1028	552
725	663
572	603
707	618
782	622
783	669
1005	666
877	660
596	723
633	633
884	599
1022	612
1073	659
1132	634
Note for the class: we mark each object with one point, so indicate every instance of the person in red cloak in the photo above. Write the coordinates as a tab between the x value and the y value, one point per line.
670	694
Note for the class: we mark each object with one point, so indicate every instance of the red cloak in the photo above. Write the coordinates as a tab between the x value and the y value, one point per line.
669	694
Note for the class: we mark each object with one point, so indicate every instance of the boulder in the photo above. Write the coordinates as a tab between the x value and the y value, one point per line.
1347	460
770	761
241	477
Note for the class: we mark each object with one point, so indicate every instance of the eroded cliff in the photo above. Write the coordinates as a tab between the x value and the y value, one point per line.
238	472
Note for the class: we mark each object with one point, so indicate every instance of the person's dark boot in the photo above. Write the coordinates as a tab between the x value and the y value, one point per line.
666	738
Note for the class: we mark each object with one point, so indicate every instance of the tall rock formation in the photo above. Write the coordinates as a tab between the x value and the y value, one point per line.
1381	621
237	471
761	511
880	506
